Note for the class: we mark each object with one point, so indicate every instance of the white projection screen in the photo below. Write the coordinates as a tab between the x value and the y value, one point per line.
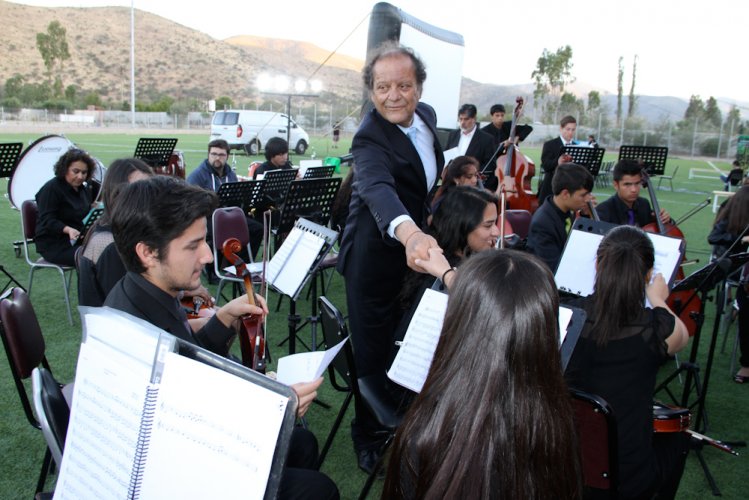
441	51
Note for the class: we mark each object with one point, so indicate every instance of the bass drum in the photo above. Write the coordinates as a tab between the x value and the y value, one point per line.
36	166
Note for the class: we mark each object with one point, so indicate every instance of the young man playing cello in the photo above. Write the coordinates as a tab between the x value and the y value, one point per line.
626	206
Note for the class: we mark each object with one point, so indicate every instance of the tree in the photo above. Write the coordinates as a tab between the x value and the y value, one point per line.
14	86
553	71
695	109
619	92
53	46
594	107
733	116
632	98
712	112
224	102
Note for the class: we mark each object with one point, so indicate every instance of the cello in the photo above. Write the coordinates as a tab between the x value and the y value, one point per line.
251	330
515	171
684	303
667	418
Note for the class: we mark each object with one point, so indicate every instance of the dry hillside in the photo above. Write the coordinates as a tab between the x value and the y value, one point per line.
171	59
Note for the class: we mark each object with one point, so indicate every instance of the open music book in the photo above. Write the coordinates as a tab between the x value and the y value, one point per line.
414	358
576	272
150	421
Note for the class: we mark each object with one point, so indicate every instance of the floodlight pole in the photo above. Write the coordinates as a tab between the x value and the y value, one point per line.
288	110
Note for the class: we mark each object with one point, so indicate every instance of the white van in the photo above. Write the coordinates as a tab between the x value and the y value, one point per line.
250	130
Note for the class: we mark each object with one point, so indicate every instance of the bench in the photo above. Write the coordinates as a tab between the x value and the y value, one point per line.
718	195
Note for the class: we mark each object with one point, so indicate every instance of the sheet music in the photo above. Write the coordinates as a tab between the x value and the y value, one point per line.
98	458
451	154
577	269
414	358
195	450
287	274
306	366
576	272
565	316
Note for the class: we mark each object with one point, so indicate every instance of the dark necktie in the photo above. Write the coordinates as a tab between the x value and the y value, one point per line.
630	217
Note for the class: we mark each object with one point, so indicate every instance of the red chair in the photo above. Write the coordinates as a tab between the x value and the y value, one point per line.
597	436
228	222
29	216
520	220
24	346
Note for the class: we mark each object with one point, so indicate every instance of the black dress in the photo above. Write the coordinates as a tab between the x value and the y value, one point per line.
624	374
59	205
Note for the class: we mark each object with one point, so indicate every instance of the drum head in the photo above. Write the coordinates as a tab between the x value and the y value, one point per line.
35	167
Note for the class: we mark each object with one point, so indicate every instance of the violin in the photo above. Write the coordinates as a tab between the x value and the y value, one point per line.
515	171
684	303
674	419
196	307
251	330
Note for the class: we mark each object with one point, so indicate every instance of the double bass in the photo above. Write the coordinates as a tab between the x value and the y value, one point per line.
251	330
685	303
515	171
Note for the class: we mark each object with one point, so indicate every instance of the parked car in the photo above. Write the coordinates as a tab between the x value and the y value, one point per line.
249	130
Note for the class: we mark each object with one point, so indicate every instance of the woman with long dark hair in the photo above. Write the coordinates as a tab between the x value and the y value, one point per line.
99	264
493	419
63	202
617	357
461	171
731	222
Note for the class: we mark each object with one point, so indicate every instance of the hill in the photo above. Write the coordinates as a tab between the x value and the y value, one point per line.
186	64
171	59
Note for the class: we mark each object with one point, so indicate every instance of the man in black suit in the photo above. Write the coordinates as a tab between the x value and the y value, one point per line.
469	139
626	206
499	129
397	160
551	154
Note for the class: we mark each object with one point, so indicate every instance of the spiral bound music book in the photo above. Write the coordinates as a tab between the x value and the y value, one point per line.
156	417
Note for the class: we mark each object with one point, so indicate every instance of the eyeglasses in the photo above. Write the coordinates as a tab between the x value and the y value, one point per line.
218	155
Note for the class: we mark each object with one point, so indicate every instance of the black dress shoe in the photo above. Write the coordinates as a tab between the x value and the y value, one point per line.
367	461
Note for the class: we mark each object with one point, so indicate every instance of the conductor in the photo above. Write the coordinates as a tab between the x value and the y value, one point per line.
397	161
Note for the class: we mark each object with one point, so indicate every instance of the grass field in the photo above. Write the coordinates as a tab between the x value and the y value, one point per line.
22	447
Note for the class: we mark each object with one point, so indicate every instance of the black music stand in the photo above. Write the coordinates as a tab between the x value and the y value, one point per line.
155	151
329	237
653	158
322	172
701	282
590	158
310	199
276	184
245	195
9	153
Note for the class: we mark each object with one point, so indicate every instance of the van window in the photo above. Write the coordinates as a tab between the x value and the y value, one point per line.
225	118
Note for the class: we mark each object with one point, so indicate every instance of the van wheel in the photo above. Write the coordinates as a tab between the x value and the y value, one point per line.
301	147
251	148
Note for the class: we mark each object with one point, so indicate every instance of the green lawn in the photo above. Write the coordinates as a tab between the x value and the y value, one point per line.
22	447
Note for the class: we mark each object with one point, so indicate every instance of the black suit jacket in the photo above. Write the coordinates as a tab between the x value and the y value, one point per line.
500	135
389	181
481	146
550	154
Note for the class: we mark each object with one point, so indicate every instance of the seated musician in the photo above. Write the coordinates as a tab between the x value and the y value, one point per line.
159	226
276	156
551	223
464	224
461	171
499	129
492	420
210	175
626	206
617	357
63	202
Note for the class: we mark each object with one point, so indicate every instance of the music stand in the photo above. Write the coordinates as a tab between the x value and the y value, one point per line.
9	153
653	158
322	172
702	282
245	195
155	151
590	158
329	237
276	184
